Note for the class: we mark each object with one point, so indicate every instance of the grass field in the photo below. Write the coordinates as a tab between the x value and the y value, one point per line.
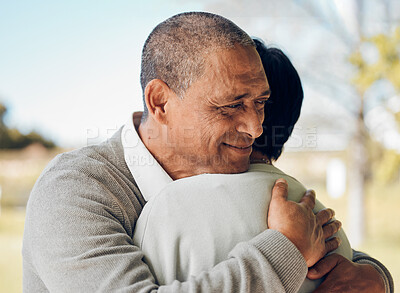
11	229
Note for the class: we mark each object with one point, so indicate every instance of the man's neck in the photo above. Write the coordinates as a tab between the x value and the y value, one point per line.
154	138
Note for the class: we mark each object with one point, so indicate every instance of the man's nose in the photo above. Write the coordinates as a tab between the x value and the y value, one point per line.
251	122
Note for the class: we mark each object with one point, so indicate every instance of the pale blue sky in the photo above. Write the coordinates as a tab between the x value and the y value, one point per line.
66	66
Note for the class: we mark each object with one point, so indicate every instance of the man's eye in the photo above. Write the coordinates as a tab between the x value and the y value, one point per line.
262	102
234	106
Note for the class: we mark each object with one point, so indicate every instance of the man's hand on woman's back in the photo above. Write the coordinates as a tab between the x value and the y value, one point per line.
343	275
308	232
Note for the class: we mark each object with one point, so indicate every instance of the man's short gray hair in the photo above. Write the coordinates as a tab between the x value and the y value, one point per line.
175	50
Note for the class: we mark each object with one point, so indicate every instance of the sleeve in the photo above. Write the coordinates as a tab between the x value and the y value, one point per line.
362	258
75	240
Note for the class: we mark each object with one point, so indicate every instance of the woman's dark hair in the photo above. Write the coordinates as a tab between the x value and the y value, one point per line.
283	108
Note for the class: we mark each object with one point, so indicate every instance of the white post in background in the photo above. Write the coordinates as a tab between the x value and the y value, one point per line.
356	205
336	178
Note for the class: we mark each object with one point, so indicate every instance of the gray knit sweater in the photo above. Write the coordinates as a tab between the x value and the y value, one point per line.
79	227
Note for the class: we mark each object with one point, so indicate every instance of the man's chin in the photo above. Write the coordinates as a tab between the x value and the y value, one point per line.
234	167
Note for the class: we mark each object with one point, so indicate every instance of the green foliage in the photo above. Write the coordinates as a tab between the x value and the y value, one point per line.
3	111
386	67
11	138
388	167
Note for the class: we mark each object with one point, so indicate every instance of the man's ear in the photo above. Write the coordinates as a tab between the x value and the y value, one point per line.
156	95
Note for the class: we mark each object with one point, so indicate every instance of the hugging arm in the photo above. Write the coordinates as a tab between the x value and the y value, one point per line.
363	274
80	240
362	258
358	272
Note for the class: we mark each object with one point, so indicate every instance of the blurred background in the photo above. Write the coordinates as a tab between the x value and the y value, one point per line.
69	77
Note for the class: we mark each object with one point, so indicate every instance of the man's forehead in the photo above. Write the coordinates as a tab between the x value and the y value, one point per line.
240	60
232	74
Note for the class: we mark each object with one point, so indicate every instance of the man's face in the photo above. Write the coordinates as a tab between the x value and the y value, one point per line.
221	114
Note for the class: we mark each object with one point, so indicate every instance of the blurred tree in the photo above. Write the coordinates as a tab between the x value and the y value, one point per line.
14	139
367	73
3	111
387	66
4	135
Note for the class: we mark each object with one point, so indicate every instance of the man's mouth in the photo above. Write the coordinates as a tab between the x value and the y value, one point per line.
243	149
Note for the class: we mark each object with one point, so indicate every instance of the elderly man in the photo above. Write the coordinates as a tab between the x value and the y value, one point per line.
204	90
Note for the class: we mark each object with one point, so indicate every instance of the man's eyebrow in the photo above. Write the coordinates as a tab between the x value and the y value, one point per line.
265	93
240	97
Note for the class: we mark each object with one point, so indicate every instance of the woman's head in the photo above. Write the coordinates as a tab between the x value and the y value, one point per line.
283	108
